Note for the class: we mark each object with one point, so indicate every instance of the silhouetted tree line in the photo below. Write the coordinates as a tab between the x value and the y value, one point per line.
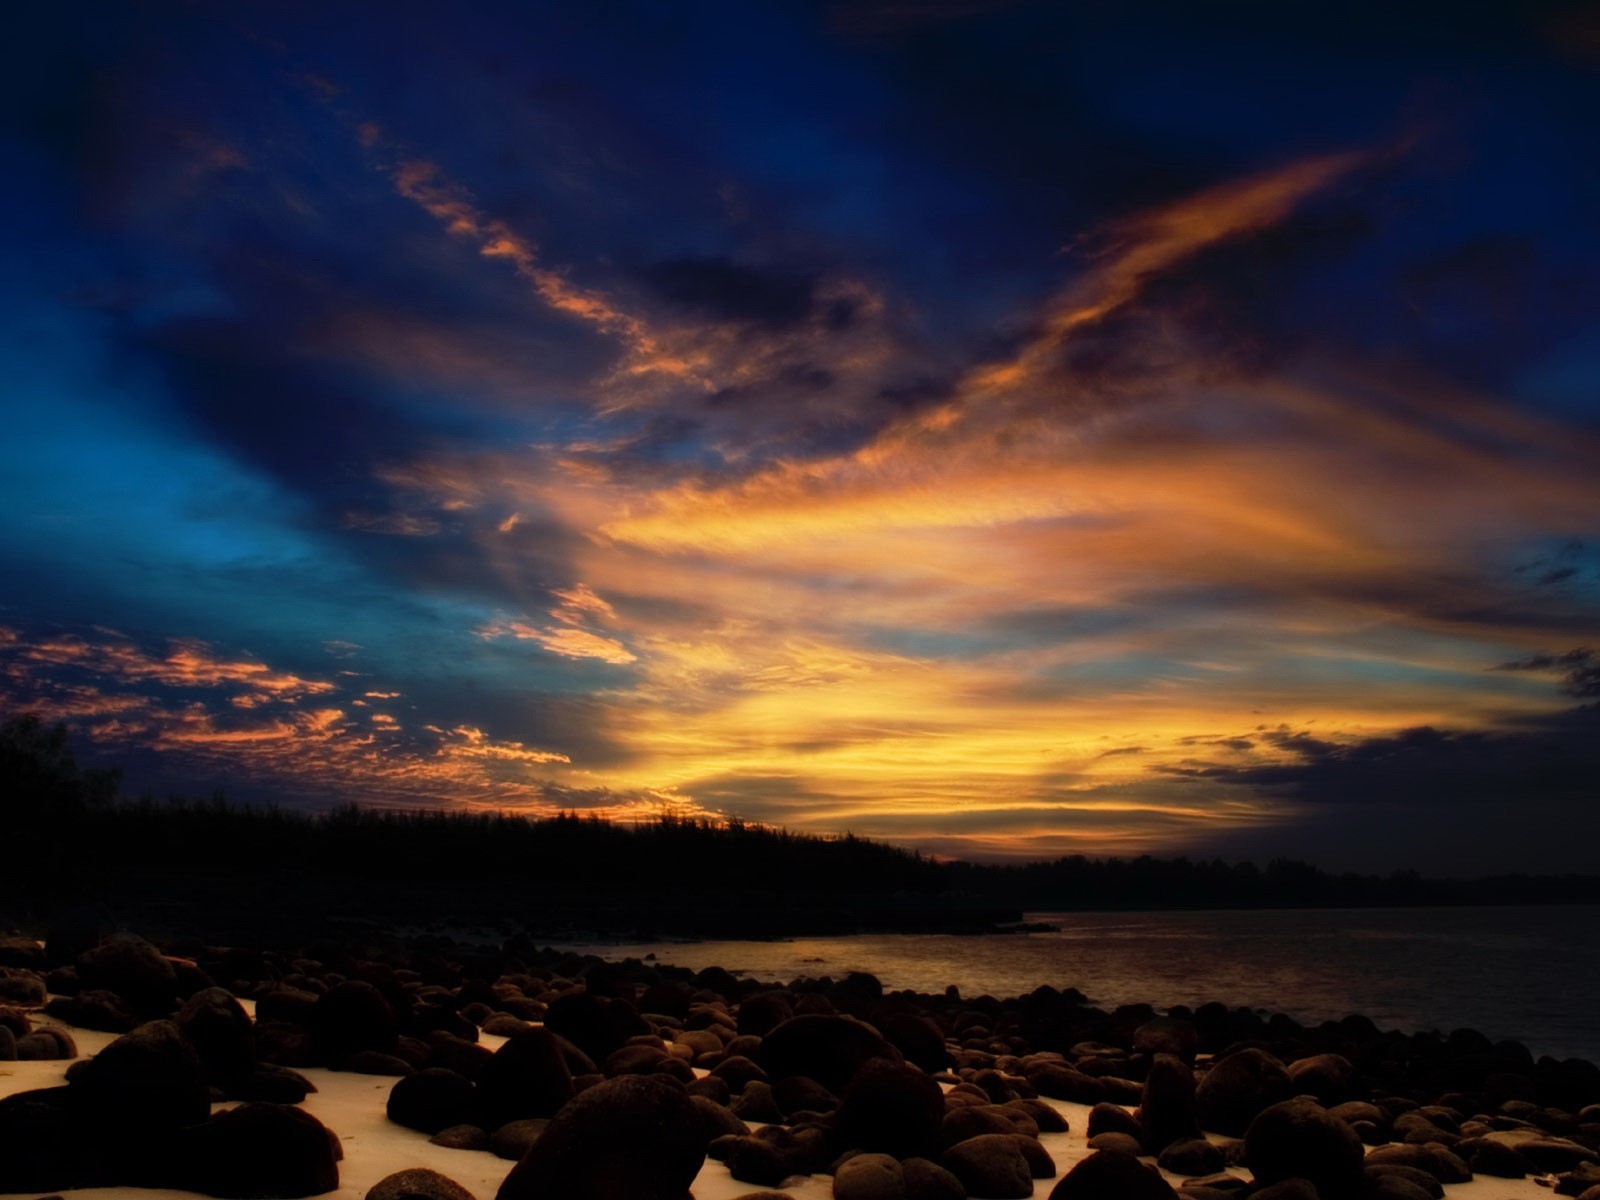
72	837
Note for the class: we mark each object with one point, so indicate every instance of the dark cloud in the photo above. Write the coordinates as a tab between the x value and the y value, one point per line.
730	291
1580	670
1554	761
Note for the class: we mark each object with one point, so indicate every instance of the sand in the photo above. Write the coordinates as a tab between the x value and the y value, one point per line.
353	1107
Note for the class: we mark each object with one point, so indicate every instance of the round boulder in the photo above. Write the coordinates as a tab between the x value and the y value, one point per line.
259	1151
891	1109
417	1183
829	1049
636	1135
1236	1088
990	1165
1300	1139
1112	1176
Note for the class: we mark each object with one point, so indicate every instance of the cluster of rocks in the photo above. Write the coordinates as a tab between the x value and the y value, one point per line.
139	1113
621	1079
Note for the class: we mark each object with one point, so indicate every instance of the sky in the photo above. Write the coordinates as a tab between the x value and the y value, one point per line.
1008	429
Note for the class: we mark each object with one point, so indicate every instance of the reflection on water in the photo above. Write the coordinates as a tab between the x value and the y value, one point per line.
1527	973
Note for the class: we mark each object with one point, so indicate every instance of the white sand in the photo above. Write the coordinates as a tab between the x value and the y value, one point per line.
353	1107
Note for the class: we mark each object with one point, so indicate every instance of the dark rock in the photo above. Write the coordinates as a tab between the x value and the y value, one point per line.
265	1151
1579	1180
417	1183
1167	1103
147	1079
1238	1087
1040	1164
1167	1035
526	1077
462	1137
375	1062
891	1109
19	951
577	1156
927	1180
432	1099
991	1165
756	1103
220	1031
1192	1156
96	1009
762	1013
1438	1161
870	1177
1047	1119
1293	1188
352	1016
46	1042
919	1039
267	1081
1392	1187
598	1025
1061	1082
1299	1139
1328	1077
515	1138
972	1121
738	1070
1487	1157
1117	1143
1111	1176
828	1049
1554	1154
716	1120
133	969
18	985
800	1093
712	1088
43	1146
1420	1178
752	1160
1106	1117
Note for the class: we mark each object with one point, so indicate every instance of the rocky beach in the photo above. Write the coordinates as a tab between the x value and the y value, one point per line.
442	1070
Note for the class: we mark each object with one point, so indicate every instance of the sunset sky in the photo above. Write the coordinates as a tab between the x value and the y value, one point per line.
1009	429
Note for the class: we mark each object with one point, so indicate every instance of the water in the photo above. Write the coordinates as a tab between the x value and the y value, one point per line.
1527	973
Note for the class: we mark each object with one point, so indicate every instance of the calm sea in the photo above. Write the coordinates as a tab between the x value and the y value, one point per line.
1527	973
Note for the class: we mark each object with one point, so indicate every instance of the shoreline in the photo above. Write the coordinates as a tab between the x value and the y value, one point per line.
1049	1047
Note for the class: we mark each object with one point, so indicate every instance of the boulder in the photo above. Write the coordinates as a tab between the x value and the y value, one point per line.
220	1031
18	985
1328	1077
648	1117
892	1109
1167	1103
1238	1087
352	1016
432	1099
43	1147
133	969
869	1177
258	1151
1299	1139
826	1048
990	1165
526	1077
927	1180
417	1183
1192	1156
598	1025
148	1079
1112	1176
